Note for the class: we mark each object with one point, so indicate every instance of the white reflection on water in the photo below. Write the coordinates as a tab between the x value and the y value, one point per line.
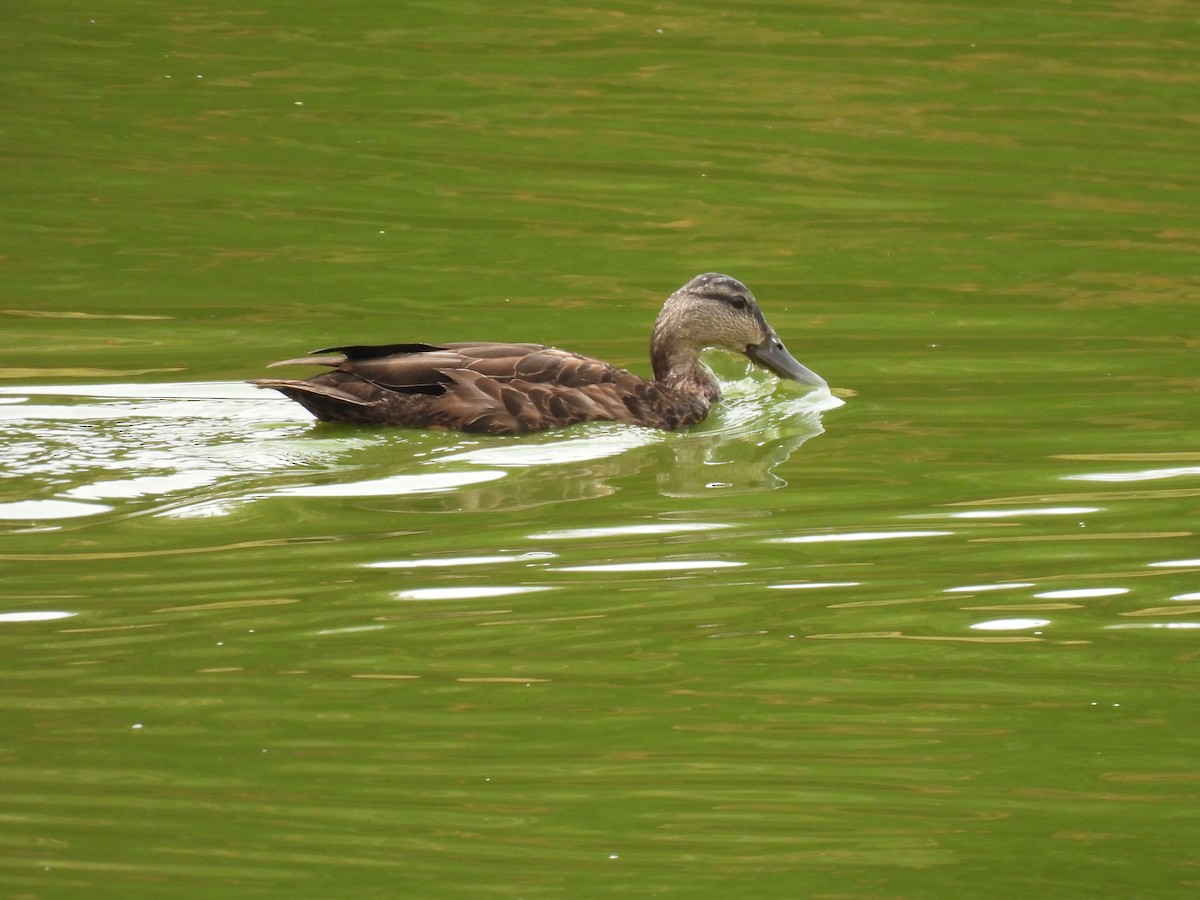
1143	475
972	588
571	450
628	530
812	584
1034	511
393	485
467	593
857	536
34	510
455	561
1081	593
43	616
144	486
672	565
1010	624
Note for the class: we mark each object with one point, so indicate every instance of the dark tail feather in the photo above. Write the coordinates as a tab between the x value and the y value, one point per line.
326	403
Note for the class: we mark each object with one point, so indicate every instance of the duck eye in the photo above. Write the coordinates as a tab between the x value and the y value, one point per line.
737	301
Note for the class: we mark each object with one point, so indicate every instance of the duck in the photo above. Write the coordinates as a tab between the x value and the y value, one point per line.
485	387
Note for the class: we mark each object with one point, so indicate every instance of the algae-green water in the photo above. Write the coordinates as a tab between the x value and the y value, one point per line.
940	641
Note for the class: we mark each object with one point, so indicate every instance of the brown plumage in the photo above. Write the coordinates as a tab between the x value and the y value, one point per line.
519	388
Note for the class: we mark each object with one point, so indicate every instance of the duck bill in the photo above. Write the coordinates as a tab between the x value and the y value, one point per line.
772	355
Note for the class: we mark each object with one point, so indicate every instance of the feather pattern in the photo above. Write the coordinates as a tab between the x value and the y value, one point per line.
499	388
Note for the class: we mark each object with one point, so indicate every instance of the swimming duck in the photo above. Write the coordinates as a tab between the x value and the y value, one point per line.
496	388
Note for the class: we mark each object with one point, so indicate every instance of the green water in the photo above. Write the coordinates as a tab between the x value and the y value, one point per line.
940	641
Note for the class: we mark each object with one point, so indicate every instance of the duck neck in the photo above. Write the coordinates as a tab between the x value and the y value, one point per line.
677	366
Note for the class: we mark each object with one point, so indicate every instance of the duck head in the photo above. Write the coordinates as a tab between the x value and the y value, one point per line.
715	310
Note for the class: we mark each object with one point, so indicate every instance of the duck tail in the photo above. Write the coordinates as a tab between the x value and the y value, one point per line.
332	361
329	404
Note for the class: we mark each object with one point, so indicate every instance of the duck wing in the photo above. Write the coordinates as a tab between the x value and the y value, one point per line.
428	368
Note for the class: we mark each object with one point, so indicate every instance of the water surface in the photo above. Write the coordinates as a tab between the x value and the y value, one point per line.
937	641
